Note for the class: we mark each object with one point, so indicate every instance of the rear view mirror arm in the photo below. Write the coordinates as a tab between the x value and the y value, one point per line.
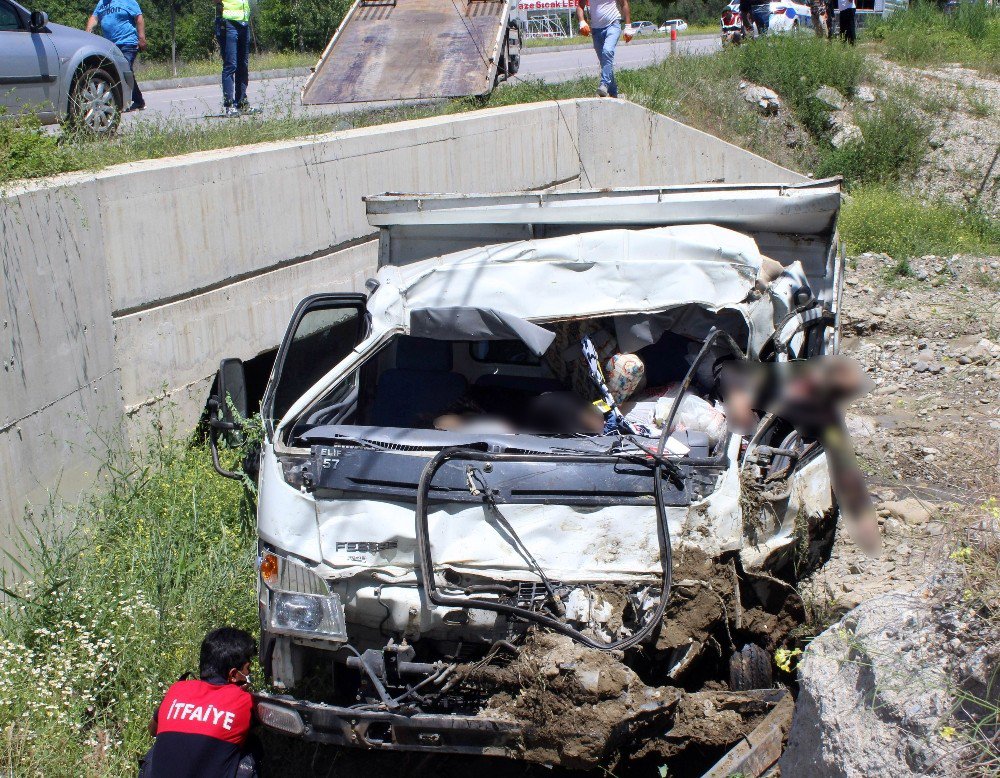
215	425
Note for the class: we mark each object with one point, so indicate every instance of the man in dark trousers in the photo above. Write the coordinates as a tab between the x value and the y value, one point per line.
232	32
848	21
202	726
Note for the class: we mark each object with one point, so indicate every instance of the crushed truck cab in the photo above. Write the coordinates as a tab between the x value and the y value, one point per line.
442	517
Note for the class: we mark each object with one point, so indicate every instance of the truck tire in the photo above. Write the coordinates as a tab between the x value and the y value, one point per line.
514	64
94	104
750	668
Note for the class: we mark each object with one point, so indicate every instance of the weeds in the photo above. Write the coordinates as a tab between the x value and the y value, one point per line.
26	151
881	219
795	66
894	144
115	608
922	35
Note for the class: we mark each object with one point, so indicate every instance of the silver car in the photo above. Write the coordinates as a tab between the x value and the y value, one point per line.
60	73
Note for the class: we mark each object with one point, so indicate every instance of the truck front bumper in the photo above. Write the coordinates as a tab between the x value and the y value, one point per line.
383	730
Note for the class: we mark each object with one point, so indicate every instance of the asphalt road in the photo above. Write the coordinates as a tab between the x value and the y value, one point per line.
281	95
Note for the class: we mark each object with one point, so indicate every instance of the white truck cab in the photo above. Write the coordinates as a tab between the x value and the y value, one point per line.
420	514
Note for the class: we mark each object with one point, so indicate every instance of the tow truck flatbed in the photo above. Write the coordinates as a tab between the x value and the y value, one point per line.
388	50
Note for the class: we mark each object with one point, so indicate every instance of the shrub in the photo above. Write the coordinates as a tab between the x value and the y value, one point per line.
115	609
27	151
795	66
894	143
879	218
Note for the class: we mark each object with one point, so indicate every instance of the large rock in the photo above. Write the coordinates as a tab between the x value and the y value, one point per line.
766	100
873	696
831	98
846	132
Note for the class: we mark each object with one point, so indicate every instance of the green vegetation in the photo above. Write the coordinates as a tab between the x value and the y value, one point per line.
278	25
922	35
212	66
701	91
880	218
895	142
115	606
795	66
26	152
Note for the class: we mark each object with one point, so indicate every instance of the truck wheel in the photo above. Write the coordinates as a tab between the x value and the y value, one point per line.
750	668
514	64
93	104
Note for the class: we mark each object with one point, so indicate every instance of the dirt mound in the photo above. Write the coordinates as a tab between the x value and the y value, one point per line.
577	705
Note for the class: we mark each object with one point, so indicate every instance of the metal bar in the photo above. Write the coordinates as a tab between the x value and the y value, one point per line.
761	748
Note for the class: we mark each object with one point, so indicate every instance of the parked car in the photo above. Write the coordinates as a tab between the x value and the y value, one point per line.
674	24
425	493
60	73
643	28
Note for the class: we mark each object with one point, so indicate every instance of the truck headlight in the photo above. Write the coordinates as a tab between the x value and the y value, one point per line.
288	575
307	615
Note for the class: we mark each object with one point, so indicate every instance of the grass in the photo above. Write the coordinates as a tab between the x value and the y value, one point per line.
112	609
154	71
895	142
796	66
922	35
879	218
699	90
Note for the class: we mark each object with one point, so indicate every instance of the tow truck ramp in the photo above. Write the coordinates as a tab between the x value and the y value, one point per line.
416	49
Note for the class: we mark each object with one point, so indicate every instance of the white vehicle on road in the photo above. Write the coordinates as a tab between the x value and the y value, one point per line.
643	28
674	24
785	15
431	500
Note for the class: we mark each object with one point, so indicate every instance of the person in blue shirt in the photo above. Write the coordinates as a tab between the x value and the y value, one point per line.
122	23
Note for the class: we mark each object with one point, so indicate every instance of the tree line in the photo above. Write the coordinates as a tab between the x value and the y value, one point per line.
291	25
277	25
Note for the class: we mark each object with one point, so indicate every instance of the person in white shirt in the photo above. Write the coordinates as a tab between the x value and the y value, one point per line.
606	27
848	23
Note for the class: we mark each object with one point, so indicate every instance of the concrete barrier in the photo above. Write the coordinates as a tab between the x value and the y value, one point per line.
128	285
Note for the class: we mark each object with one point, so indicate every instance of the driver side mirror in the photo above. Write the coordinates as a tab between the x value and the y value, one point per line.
38	21
227	409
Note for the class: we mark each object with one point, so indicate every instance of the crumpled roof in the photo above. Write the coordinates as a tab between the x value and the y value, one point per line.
592	274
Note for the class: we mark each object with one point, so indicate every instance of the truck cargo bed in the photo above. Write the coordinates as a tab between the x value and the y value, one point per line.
411	49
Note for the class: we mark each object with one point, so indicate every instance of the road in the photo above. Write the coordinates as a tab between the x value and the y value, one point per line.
279	96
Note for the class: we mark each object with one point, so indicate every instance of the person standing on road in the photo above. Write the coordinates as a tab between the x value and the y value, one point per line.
122	23
232	31
848	22
761	14
606	27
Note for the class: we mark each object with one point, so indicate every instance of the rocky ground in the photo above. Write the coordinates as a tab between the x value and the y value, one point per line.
929	436
963	109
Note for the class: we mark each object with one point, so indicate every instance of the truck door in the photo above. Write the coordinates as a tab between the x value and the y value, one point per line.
324	329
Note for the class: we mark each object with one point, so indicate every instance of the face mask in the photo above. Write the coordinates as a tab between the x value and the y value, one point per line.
247	681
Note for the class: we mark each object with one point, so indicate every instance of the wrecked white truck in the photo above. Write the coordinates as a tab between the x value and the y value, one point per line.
458	553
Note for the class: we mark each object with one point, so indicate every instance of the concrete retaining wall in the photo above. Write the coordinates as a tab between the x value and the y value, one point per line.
130	284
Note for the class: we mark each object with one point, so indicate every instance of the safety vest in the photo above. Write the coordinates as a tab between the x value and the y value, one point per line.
236	10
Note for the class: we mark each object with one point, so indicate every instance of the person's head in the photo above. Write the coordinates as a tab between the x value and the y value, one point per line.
226	653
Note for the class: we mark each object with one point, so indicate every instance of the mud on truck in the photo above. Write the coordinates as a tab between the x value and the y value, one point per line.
459	553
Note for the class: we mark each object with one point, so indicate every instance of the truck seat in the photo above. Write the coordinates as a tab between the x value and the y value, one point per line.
420	386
